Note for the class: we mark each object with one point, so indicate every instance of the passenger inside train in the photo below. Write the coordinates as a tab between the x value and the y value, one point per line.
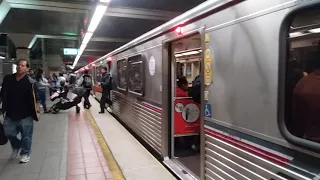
302	91
182	87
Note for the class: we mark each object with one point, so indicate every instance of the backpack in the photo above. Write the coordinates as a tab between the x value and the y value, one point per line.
196	90
87	82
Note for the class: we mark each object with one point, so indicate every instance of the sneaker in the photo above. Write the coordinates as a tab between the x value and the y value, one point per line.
101	112
24	158
109	109
14	153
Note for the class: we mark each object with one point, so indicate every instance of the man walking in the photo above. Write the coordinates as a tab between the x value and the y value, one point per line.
106	85
20	99
85	81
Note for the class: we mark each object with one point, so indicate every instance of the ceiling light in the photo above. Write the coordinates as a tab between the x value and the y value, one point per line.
1	57
96	18
87	37
178	55
105	1
317	30
76	60
295	34
190	53
82	47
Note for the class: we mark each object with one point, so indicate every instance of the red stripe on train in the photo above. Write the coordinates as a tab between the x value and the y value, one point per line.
157	109
249	148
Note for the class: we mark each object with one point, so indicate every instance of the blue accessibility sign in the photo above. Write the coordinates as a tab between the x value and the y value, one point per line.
207	110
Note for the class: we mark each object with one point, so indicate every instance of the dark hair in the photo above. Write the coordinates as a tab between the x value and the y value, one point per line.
39	74
86	71
61	74
105	68
181	81
27	63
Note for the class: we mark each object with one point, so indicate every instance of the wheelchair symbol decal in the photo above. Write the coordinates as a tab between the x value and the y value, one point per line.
207	110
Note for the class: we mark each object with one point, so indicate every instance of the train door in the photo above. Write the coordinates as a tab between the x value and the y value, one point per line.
185	56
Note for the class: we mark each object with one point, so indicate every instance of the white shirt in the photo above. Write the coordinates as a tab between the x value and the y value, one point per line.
60	79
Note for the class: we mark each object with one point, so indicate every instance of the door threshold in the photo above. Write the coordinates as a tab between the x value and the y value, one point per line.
178	169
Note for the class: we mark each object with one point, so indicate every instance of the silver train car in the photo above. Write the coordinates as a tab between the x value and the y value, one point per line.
244	51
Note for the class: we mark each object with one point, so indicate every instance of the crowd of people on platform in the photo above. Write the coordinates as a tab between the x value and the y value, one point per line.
23	92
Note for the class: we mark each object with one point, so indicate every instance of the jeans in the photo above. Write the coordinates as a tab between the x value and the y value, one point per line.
24	126
42	94
105	98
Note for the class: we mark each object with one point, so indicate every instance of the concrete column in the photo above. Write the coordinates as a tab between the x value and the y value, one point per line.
22	41
23	53
44	58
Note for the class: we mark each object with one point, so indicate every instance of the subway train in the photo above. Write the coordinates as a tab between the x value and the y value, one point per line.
250	55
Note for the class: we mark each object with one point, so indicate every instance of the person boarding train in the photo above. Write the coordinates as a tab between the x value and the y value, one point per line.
106	85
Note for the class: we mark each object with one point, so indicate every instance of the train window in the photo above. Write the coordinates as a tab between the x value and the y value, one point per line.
136	74
98	74
302	76
122	74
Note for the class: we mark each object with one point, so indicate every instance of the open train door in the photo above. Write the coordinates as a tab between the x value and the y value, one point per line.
183	132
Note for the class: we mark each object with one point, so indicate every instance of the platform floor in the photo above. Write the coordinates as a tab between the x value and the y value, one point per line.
85	146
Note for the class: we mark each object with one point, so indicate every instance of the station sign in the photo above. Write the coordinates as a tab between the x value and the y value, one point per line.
70	51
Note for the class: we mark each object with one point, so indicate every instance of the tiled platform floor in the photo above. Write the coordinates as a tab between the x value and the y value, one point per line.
85	158
64	148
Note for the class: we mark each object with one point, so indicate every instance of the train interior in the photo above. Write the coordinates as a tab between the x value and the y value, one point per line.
303	64
186	60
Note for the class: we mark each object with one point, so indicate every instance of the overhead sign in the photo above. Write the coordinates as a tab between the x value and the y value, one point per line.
70	51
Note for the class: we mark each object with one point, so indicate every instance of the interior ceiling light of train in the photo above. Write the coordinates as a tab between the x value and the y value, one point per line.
301	27
94	22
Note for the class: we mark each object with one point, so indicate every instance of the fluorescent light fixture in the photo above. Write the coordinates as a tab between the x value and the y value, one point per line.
87	37
190	53
96	18
178	55
295	34
76	61
317	30
105	1
82	47
1	57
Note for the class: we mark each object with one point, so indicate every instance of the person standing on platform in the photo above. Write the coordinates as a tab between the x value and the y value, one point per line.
42	84
106	85
61	81
85	81
19	97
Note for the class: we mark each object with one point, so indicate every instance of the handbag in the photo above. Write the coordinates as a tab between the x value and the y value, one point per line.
3	138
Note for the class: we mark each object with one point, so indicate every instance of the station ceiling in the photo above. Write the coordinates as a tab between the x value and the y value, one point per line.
61	22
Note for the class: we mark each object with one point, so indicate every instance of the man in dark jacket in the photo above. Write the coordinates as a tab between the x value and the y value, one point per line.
106	85
20	104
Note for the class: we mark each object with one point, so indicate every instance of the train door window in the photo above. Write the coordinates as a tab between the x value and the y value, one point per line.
136	74
122	74
302	76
